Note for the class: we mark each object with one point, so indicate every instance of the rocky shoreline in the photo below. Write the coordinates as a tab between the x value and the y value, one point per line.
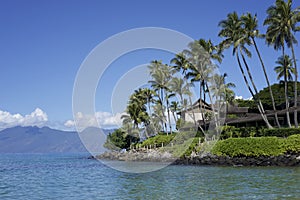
282	160
207	159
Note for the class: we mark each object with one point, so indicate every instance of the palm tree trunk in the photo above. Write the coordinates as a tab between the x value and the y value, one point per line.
200	105
168	111
295	88
268	83
163	112
194	119
149	108
256	91
213	108
287	104
174	116
251	92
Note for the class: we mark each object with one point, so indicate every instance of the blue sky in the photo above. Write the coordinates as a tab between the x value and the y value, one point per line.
43	44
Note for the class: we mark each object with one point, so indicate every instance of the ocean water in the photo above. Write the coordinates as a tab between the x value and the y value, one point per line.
69	176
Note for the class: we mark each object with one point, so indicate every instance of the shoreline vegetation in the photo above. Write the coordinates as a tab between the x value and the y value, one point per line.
247	151
161	123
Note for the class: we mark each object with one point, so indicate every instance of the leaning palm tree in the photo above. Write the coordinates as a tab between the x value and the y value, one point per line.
234	36
250	25
282	22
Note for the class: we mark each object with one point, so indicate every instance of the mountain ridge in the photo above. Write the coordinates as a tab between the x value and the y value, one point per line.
33	139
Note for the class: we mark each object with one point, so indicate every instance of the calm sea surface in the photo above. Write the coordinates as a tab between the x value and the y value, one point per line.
68	176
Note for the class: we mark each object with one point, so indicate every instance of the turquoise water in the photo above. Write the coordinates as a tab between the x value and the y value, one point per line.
75	177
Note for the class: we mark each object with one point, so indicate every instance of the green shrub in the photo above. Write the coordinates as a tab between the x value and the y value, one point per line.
261	146
158	140
184	149
233	132
292	143
257	146
281	132
183	136
119	140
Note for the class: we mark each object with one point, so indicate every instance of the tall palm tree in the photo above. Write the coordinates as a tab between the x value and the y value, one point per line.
127	127
282	22
161	76
169	94
250	24
214	51
179	87
284	66
158	116
175	107
137	108
234	36
222	89
180	63
148	95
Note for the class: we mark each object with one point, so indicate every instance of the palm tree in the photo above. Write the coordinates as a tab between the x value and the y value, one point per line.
285	66
214	51
161	75
136	108
179	87
235	36
148	94
168	96
282	22
250	25
158	116
199	67
175	107
181	64
222	89
127	127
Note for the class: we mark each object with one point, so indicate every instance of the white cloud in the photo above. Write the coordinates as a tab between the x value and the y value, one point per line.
37	118
102	119
238	97
241	97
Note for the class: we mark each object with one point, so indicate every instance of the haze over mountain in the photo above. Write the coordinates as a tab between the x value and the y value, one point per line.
32	139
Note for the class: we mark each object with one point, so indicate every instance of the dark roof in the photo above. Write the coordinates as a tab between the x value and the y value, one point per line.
196	105
236	110
257	117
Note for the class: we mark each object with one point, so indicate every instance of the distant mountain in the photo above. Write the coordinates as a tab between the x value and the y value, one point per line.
33	139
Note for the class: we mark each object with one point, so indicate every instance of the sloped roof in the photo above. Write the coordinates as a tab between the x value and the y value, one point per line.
196	105
257	117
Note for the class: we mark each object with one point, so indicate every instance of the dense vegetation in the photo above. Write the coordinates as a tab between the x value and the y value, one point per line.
278	95
119	139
